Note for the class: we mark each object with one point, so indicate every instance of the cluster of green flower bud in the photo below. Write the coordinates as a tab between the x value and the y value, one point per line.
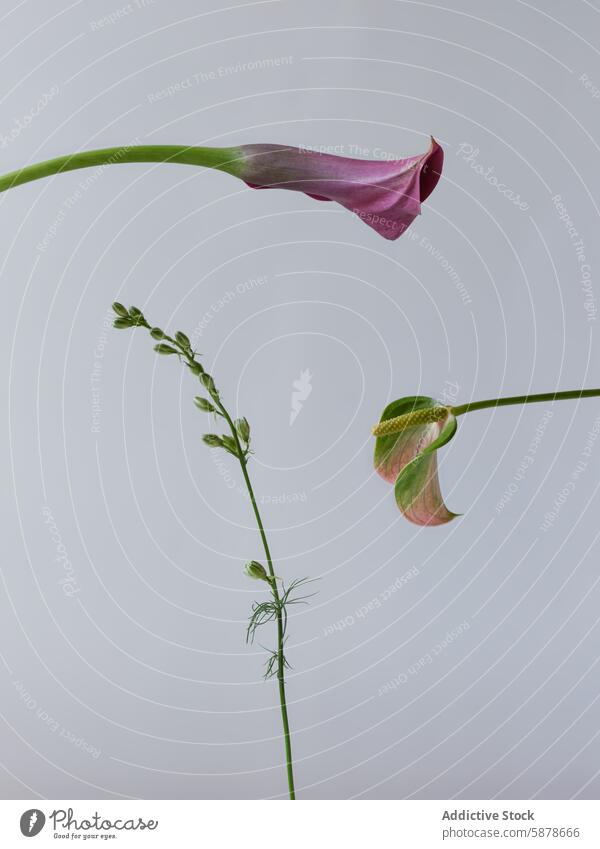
132	317
229	443
180	345
226	442
238	443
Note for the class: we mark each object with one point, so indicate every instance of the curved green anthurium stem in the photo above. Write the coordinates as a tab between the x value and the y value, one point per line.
568	395
429	415
221	158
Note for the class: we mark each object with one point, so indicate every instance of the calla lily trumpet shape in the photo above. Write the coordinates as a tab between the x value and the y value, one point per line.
386	195
409	434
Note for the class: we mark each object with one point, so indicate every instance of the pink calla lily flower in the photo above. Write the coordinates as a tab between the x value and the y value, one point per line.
386	195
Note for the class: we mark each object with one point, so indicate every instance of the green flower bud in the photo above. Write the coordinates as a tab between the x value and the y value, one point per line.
243	429
209	385
212	440
120	309
229	445
182	340
195	368
134	312
165	349
256	570
157	333
203	404
122	323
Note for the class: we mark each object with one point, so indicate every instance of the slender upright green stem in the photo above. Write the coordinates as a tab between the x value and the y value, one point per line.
275	591
525	399
241	456
182	346
221	158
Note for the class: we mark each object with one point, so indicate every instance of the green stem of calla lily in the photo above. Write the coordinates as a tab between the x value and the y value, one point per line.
568	395
386	196
221	158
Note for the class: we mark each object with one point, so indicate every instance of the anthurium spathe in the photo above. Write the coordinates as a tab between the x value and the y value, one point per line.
409	434
385	194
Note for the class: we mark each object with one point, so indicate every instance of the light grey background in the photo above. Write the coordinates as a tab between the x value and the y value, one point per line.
140	684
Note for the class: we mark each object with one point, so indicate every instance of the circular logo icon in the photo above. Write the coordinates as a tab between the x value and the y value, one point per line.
32	822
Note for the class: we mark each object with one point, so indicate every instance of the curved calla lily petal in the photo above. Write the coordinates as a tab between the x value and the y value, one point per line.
410	432
386	195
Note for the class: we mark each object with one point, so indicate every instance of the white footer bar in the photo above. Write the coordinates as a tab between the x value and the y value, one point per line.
303	825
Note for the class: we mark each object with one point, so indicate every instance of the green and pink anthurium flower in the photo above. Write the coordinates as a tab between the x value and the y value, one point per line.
409	435
385	194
